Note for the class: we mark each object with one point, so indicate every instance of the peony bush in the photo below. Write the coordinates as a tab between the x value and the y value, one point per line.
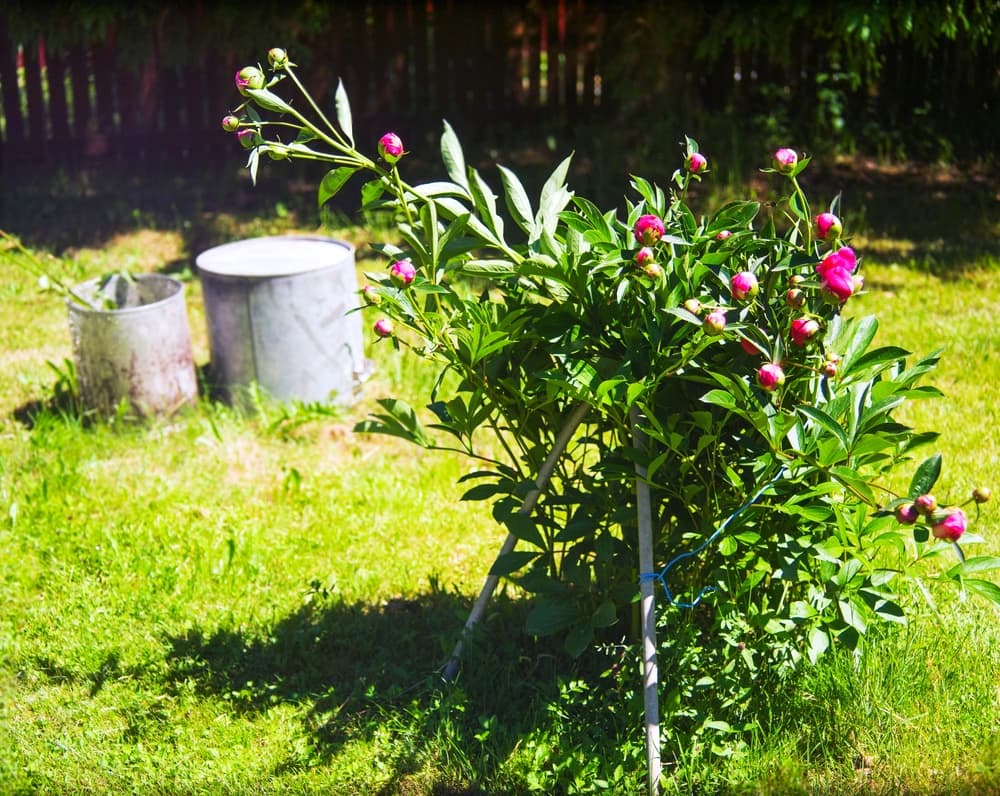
766	419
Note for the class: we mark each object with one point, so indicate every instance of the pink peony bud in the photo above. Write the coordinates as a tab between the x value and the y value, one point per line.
277	57
649	229
981	494
248	138
843	259
803	330
390	148
906	514
795	298
795	280
785	160
230	123
693	306
830	370
723	234
402	272
750	348
249	77
652	270
828	226
744	286
951	527
696	162
715	322
371	295
644	255
926	504
837	285
770	376
383	327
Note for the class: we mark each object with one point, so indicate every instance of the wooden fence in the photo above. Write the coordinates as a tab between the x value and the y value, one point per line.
405	64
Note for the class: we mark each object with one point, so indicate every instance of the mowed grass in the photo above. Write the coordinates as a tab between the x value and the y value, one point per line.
226	602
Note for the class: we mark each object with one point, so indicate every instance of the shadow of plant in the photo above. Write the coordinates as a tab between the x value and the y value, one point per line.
365	669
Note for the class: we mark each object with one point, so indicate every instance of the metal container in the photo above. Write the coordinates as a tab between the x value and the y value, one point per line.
133	343
278	312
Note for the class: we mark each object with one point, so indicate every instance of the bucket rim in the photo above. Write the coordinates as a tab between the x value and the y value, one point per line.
206	261
76	307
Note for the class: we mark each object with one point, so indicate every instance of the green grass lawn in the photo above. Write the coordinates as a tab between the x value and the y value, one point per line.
249	604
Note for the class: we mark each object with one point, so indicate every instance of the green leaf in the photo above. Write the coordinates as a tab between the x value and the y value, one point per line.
984	588
826	422
342	106
512	562
268	100
879	356
719	398
486	203
333	181
578	639
819	643
974	564
518	203
400	421
605	615
453	157
371	191
551	614
925	477
490	268
854	482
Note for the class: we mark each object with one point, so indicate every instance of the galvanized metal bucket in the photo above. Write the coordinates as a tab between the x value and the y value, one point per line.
132	343
279	315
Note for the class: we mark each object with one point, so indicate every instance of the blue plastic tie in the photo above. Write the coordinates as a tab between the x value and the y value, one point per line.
661	576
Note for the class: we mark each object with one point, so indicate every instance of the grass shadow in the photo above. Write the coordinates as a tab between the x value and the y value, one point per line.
362	669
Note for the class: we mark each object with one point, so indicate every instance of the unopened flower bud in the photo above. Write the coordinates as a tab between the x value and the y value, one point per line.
696	162
750	348
744	286
830	370
715	322
906	514
402	272
248	138
951	527
981	494
803	330
926	504
390	148
652	270
644	256
723	234
785	160
693	306
249	77
795	280
371	295
828	226
277	57
770	376
230	123
649	229
795	298
383	327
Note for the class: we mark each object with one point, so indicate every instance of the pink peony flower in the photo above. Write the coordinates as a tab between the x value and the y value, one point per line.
723	234
906	514
715	322
836	270
843	259
926	504
770	376
951	527
803	330
785	160
744	285
230	123
828	226
390	148
383	327
249	77
649	229
644	255
402	272
696	162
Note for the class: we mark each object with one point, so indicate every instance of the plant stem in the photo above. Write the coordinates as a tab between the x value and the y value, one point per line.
315	107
